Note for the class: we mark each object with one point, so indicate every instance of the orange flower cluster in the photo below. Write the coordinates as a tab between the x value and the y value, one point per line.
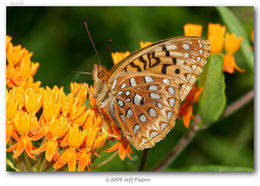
59	125
218	39
65	124
19	69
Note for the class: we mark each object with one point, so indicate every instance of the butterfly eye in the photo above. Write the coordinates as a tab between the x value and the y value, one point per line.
101	74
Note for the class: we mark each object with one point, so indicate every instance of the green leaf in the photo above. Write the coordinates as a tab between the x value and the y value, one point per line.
213	99
212	168
234	26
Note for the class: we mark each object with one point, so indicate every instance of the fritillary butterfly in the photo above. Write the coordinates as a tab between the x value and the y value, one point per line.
142	93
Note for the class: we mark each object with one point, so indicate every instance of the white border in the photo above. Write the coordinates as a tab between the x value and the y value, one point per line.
81	179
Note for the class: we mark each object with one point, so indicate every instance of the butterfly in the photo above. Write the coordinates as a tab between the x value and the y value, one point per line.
143	92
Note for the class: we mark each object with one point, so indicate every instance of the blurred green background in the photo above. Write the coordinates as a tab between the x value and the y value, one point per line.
60	43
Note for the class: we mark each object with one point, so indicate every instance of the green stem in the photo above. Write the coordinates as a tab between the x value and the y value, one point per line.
12	165
20	164
144	159
28	163
106	161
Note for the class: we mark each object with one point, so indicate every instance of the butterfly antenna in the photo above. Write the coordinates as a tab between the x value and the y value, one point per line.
108	45
89	73
85	23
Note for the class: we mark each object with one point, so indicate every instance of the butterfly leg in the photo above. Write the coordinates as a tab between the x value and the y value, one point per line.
84	84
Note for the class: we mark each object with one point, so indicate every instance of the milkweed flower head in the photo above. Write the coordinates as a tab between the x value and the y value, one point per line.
19	69
46	121
232	44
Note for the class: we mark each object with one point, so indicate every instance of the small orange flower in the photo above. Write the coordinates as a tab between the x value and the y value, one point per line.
11	132
186	108
145	44
232	44
216	34
24	124
118	56
84	158
69	156
229	64
123	148
66	103
122	145
75	140
15	53
17	94
192	30
33	100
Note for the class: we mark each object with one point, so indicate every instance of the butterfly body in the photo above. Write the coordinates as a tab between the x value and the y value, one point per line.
142	93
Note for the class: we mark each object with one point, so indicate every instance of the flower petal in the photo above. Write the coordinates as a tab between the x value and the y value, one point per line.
113	148
40	149
187	116
72	161
192	30
51	149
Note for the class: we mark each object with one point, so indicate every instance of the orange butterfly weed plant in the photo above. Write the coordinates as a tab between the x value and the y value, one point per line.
45	128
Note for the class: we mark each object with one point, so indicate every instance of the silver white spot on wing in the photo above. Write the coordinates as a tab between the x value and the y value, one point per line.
129	113
120	93
171	47
137	99
172	101
186	46
186	55
120	102
171	90
153	134
159	105
163	125
152	112
123	85
136	128
127	93
142	118
128	99
198	59
148	79
155	96
201	52
132	82
122	117
166	81
169	114
153	87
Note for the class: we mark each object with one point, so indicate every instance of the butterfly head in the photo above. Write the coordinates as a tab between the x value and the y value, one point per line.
99	72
